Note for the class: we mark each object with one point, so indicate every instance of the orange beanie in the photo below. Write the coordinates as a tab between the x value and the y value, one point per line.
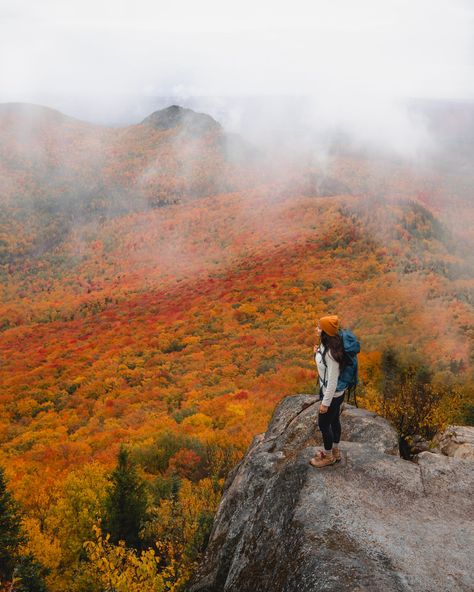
329	325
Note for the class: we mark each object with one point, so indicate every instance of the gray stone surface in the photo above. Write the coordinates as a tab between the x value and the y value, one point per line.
457	441
372	523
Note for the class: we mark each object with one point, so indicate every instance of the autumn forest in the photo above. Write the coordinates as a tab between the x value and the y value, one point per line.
160	288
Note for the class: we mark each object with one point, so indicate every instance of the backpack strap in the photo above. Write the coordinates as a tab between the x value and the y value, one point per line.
324	382
323	358
352	390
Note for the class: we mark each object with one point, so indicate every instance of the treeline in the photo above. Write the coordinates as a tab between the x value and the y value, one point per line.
144	526
119	531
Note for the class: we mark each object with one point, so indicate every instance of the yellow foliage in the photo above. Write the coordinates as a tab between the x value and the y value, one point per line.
73	516
79	379
422	412
235	409
198	420
25	407
175	525
371	399
46	548
120	569
248	309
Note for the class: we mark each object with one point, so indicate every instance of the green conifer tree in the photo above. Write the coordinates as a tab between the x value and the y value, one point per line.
126	503
28	575
11	536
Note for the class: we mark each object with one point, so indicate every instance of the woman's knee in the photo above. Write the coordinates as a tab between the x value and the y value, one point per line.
324	421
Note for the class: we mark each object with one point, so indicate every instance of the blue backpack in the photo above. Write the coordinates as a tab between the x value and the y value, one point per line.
348	378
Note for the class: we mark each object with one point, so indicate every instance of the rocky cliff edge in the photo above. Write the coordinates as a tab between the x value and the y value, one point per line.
373	522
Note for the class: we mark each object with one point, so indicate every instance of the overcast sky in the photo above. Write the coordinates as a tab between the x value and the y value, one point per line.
97	56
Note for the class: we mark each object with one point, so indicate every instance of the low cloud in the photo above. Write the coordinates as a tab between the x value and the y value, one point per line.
314	65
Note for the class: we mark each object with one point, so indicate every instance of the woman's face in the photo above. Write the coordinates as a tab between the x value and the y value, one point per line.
318	330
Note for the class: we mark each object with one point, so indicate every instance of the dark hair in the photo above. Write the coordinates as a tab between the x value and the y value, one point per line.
335	346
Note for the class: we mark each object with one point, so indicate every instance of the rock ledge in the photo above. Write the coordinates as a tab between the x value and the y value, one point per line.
370	523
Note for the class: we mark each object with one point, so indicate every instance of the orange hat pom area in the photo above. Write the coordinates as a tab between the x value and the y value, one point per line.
329	325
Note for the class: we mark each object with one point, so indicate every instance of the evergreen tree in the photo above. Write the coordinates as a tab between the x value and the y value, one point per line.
11	536
126	503
29	575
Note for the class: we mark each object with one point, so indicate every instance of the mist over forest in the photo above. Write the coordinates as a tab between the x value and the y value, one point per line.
184	192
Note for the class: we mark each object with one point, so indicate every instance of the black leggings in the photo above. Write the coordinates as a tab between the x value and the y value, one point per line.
329	423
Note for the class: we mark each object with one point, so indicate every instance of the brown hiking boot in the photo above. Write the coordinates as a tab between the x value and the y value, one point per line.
322	460
337	454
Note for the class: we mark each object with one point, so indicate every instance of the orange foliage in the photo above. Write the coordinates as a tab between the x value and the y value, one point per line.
193	320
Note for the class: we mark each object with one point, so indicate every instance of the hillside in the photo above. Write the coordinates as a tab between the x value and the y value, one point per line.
160	287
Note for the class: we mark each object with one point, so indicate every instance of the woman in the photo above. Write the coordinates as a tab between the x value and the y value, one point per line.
330	360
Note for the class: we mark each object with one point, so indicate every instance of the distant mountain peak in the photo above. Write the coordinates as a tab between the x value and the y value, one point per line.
33	112
175	116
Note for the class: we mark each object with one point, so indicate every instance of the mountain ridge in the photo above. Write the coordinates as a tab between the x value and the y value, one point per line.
161	119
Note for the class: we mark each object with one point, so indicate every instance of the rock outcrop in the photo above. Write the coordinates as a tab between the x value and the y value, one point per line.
373	522
457	441
190	122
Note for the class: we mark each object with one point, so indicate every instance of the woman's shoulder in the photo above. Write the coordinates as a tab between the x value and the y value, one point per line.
325	353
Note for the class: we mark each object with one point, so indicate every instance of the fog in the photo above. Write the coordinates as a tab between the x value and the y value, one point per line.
257	67
292	78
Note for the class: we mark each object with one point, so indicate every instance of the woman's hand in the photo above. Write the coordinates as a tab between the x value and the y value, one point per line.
315	348
323	408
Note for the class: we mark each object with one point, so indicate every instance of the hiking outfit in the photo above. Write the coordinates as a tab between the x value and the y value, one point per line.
329	423
333	383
